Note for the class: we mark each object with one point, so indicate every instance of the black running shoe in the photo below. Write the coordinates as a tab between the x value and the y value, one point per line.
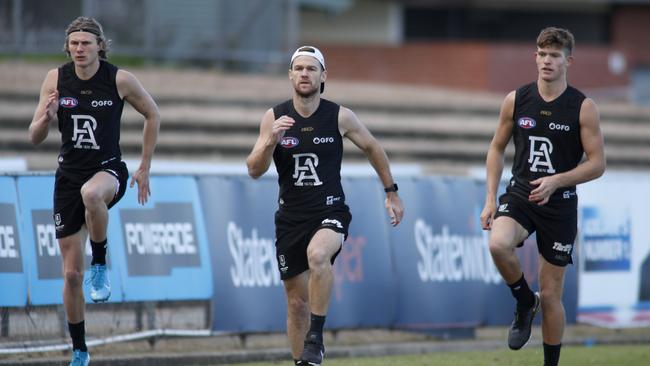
313	351
519	332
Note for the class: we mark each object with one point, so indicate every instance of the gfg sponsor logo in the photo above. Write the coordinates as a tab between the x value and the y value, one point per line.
10	260
526	122
447	257
323	140
289	142
253	259
101	103
558	127
160	239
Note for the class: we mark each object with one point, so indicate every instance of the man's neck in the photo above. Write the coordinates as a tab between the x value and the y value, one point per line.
549	90
306	106
86	72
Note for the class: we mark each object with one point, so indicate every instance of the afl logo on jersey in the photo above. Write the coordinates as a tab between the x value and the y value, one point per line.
68	102
526	122
289	142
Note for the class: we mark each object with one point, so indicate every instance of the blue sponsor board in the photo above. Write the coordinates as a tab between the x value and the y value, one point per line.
440	256
44	255
162	246
248	293
445	273
364	285
606	244
13	277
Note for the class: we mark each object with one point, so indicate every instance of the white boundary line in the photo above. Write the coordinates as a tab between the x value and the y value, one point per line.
116	339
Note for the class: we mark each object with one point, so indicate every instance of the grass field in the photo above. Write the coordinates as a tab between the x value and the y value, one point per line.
628	355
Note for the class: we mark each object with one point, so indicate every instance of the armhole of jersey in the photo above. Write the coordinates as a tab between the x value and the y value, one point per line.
338	120
113	71
280	110
59	75
514	106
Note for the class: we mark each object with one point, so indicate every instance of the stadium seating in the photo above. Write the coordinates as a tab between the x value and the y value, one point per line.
214	117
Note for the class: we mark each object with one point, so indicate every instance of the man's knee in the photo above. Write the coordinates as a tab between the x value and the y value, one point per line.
73	278
296	305
550	297
499	246
318	257
91	197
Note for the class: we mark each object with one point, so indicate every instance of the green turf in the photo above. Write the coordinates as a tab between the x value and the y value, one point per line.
629	355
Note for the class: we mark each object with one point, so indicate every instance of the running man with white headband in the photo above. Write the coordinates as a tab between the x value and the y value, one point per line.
304	137
87	95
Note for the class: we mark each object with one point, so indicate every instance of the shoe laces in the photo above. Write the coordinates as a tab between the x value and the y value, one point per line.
518	316
77	358
97	274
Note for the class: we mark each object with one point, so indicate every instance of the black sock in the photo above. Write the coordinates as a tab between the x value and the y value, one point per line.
552	354
78	335
99	252
520	290
316	327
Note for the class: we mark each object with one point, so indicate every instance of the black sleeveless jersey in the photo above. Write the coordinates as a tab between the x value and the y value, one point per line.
308	159
547	138
89	119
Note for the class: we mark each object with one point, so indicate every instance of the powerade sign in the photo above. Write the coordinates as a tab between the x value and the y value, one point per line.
10	256
606	243
48	252
160	239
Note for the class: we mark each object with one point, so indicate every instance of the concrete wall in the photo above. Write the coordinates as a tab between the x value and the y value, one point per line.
364	43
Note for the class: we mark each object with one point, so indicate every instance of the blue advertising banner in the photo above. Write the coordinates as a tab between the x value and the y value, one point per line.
440	256
13	264
162	246
364	283
248	293
446	277
35	194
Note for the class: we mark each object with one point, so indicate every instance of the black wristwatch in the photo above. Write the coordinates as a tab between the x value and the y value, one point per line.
392	188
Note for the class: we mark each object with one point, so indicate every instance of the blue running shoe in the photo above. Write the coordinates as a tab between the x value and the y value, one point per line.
100	286
80	358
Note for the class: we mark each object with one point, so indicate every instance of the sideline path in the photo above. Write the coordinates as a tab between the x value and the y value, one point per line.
350	343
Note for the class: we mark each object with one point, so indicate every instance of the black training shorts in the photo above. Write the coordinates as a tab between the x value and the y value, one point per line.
69	210
293	232
556	224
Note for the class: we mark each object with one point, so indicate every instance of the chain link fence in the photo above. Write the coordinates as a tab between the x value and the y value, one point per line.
248	35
